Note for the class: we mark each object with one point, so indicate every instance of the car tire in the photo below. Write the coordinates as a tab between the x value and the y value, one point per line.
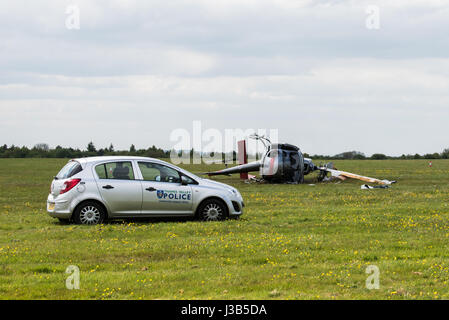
89	213
212	210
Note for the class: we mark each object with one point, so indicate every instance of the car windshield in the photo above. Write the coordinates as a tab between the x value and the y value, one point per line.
189	174
69	170
193	176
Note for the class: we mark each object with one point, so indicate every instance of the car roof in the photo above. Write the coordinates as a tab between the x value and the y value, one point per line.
111	158
86	160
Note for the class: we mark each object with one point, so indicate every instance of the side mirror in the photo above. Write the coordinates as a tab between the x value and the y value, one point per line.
184	181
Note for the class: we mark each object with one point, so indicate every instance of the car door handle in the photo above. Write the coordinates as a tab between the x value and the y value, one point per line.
108	187
151	189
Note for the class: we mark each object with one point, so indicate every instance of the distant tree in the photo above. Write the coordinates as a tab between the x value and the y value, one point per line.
42	147
417	156
378	156
154	152
432	156
111	148
62	153
132	149
445	154
91	147
17	152
350	155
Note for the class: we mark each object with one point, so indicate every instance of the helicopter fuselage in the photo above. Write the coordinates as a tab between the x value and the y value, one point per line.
283	163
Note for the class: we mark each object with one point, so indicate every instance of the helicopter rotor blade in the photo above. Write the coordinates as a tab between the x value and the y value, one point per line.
338	174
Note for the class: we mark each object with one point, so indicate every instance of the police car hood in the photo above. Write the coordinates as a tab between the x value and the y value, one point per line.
211	183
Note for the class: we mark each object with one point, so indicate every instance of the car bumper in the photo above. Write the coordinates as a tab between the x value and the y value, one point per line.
58	208
237	208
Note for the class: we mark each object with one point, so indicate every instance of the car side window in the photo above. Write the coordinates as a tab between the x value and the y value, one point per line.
158	172
122	170
101	171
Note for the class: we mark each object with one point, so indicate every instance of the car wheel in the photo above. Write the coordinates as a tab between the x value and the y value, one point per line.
89	213
212	210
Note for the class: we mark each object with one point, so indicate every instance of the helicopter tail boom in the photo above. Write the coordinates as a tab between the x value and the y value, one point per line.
244	168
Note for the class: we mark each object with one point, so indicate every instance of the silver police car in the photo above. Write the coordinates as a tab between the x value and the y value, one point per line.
90	190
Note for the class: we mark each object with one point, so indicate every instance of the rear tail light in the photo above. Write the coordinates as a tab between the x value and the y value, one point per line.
69	185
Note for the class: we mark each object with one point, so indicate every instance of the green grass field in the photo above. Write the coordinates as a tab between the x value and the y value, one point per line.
293	242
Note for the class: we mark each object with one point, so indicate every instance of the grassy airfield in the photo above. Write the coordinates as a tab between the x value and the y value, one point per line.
293	242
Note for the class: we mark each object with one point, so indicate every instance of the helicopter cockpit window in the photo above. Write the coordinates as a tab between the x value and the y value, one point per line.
273	154
271	163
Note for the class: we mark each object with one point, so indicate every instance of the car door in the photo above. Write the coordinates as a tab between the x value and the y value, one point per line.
118	187
163	193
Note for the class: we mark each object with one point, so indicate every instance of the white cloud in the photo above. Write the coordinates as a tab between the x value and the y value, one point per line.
374	96
138	69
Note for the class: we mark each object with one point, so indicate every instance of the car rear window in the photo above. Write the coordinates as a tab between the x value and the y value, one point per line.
69	170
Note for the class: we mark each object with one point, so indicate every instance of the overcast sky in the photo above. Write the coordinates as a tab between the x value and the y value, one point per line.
136	70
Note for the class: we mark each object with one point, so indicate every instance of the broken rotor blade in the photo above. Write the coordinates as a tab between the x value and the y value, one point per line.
338	173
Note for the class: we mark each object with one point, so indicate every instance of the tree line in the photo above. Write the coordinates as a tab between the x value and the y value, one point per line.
356	155
42	150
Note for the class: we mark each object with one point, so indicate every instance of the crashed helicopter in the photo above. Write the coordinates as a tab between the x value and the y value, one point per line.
285	163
